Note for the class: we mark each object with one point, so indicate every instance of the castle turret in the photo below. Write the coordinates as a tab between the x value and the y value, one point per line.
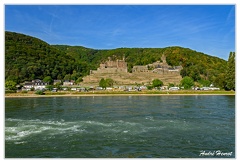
123	57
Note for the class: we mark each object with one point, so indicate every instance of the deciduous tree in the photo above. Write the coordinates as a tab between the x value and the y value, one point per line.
11	85
109	82
157	83
187	82
102	83
48	80
230	75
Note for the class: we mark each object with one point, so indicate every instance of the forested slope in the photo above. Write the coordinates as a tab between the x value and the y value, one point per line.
28	58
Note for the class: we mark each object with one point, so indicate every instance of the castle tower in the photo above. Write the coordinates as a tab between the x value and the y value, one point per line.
163	58
123	57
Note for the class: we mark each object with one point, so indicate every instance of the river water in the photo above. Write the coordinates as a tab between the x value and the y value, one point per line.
120	127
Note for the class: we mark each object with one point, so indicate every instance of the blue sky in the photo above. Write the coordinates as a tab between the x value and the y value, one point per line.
206	28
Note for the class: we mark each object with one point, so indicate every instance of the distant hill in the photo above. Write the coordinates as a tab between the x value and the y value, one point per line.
28	58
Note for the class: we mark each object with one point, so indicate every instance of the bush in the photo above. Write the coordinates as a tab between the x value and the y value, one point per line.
149	87
171	85
157	83
10	91
10	85
24	91
39	92
49	87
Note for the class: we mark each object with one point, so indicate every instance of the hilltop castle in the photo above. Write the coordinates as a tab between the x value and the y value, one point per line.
118	71
111	66
158	67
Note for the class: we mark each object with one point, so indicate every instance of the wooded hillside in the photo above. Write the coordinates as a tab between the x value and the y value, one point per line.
28	58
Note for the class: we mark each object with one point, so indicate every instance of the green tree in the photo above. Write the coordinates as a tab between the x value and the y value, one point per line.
67	77
75	75
13	78
187	82
102	83
220	81
230	74
109	82
149	87
58	85
79	80
194	74
49	87
157	83
48	79
11	85
170	85
204	83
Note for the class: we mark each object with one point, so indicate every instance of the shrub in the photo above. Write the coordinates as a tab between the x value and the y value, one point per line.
149	87
39	92
10	91
24	91
157	83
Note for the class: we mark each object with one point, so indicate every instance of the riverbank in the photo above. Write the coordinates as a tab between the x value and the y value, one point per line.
119	93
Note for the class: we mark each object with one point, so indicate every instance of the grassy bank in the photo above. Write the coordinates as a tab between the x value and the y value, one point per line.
109	93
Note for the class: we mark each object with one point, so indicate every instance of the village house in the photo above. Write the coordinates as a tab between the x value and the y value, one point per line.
68	83
27	86
37	84
56	81
121	87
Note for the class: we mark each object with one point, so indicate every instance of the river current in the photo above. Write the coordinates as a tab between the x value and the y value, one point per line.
120	127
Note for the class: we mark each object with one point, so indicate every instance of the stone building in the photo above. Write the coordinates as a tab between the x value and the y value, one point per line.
117	70
111	66
158	67
158	64
140	69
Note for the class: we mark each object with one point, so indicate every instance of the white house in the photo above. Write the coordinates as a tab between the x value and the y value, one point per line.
27	86
39	84
36	84
68	83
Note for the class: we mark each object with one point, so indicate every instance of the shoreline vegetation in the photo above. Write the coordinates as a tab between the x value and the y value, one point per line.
118	93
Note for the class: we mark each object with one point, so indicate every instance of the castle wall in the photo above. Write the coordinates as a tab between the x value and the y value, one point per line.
114	64
121	64
140	69
111	64
108	70
117	70
111	67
